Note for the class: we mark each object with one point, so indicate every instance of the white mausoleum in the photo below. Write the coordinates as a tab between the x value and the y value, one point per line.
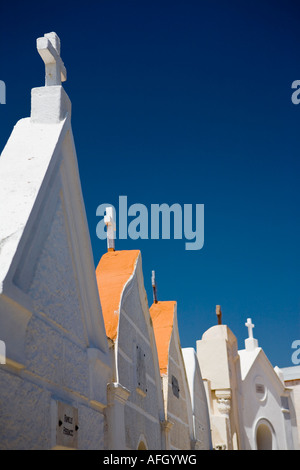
136	413
53	386
291	377
269	419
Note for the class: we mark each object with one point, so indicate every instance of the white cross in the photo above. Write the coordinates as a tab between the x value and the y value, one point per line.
111	228
250	327
153	279
49	50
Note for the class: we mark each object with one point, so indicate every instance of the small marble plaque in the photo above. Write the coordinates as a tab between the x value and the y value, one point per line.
67	425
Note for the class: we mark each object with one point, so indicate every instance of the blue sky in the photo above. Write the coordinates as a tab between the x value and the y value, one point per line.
184	102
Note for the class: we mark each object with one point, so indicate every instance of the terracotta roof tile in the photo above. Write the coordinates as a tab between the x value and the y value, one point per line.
162	315
112	273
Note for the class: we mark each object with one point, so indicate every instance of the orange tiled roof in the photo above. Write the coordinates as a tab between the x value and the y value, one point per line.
162	315
112	273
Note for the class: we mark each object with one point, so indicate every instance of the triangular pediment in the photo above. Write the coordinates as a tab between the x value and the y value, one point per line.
45	250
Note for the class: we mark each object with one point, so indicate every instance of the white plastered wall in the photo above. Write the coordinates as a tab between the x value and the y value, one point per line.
50	313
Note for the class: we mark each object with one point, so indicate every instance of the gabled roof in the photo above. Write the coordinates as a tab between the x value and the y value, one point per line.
248	359
163	316
113	272
291	373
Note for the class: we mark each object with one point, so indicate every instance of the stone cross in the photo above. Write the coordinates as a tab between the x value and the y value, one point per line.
48	47
111	228
154	287
250	327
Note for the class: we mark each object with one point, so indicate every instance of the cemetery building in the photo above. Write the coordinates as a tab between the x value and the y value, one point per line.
200	413
53	385
220	365
269	419
177	400
291	377
251	408
135	398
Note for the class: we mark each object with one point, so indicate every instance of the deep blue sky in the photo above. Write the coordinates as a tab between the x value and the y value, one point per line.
184	102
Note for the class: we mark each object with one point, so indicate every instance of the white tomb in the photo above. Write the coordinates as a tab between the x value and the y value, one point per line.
57	357
220	367
291	377
179	427
200	414
269	420
135	411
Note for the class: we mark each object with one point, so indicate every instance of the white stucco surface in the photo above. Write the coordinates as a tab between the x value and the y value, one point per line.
137	366
201	422
291	377
219	363
179	407
51	321
266	401
23	166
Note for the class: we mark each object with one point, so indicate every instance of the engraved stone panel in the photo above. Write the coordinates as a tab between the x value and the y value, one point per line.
67	425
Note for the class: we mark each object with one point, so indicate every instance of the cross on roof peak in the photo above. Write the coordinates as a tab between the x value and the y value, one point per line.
250	327
153	280
48	47
109	220
219	314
